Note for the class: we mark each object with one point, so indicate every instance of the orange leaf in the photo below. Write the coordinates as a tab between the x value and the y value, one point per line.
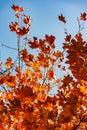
27	20
0	64
57	53
21	9
83	89
22	31
68	37
51	74
62	18
9	63
13	26
1	126
50	40
15	7
79	37
83	16
17	15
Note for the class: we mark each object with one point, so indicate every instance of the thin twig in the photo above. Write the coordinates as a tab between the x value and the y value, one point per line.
18	44
8	47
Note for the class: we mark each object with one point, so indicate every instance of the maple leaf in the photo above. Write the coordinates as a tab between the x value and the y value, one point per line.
33	44
25	55
13	26
68	37
49	107
10	81
83	89
79	37
50	39
17	15
62	18
41	97
57	54
21	9
83	16
27	20
16	8
26	102
22	31
9	63
51	74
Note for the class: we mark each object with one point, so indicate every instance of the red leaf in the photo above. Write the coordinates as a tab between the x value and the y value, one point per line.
13	26
17	15
59	66
15	7
68	37
63	68
83	16
21	9
62	18
27	20
22	31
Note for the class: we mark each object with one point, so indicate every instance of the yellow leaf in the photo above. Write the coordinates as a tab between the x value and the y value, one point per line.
83	89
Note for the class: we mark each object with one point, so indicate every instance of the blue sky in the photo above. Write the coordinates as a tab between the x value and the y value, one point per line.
44	14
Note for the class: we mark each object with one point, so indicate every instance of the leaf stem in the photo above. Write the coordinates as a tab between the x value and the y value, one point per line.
18	45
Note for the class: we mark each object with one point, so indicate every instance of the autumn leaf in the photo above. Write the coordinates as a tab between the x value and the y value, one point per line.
1	126
79	37
27	20
51	74
57	53
9	63
83	16
41	97
33	44
1	64
17	15
59	65
28	100
13	26
21	9
49	107
16	8
62	18
83	89
67	38
25	55
50	40
63	68
22	31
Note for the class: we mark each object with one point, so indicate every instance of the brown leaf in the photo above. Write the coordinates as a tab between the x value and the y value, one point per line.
67	38
62	18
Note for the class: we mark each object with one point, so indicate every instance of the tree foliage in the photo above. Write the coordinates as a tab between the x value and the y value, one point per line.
25	99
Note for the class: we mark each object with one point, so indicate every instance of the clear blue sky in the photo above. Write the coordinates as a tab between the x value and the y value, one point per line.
44	14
